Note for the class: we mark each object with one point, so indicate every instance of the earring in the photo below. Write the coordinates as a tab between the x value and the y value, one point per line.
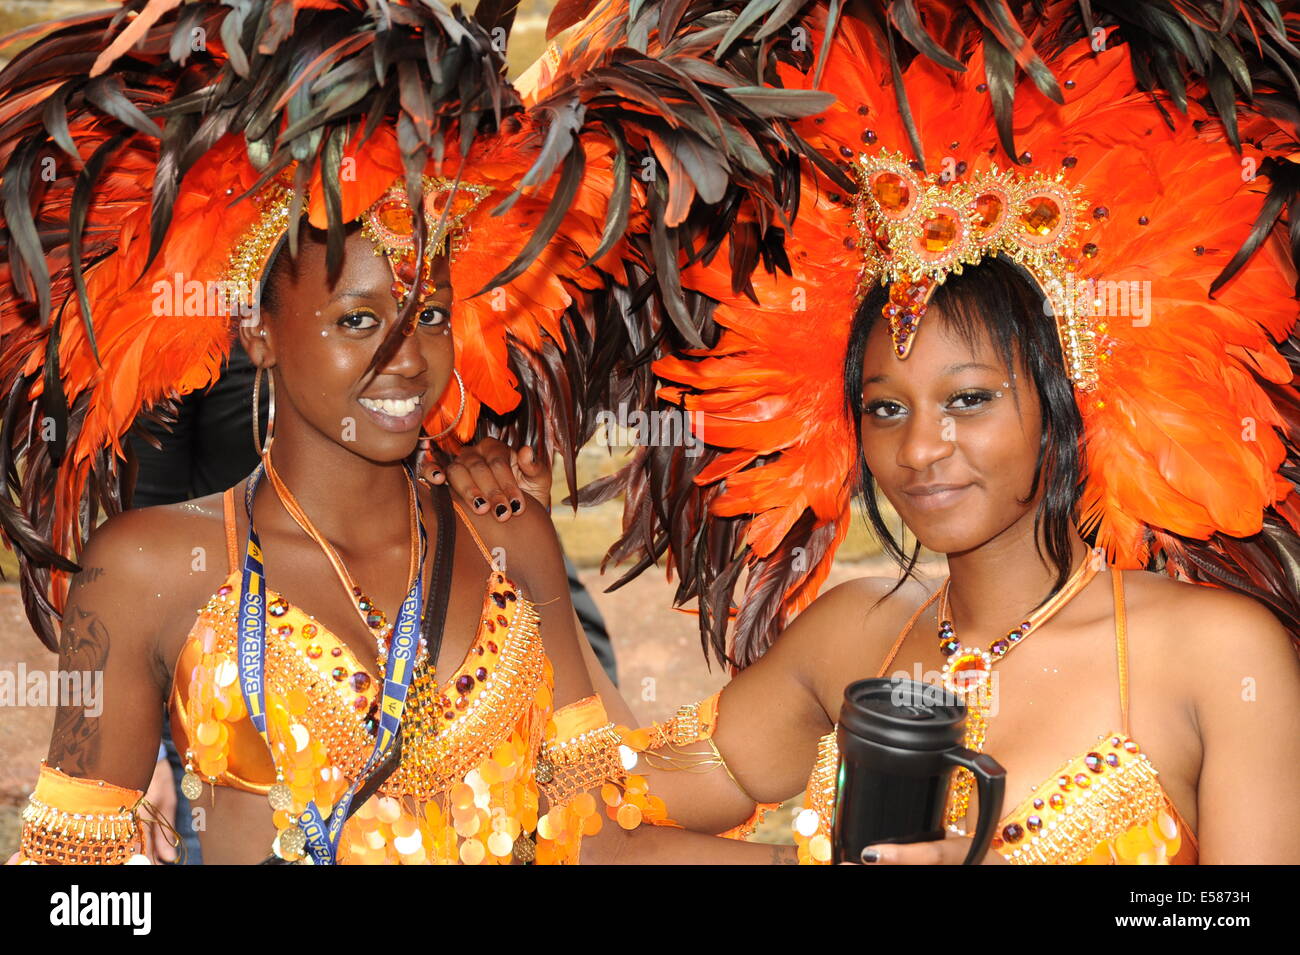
459	413
258	445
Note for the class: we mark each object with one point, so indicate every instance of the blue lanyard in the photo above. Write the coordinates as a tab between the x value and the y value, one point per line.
323	832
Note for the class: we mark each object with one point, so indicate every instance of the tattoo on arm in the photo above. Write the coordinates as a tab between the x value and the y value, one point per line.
85	577
74	745
784	855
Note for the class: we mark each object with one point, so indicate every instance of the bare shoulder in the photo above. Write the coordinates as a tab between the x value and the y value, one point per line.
157	558
1206	633
846	632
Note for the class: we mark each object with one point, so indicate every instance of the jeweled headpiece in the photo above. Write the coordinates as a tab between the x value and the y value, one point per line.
388	224
915	230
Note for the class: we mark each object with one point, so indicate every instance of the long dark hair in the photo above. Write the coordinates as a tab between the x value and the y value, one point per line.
997	299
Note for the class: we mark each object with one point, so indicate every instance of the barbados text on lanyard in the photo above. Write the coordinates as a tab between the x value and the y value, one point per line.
320	835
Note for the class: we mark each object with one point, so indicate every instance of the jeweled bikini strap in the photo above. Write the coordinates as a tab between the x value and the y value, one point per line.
232	543
482	547
1121	643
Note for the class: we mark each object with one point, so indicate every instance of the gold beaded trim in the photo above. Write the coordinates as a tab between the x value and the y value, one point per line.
56	836
683	729
1114	801
248	259
580	763
431	761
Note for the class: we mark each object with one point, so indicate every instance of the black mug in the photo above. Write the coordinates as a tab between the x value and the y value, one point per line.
899	743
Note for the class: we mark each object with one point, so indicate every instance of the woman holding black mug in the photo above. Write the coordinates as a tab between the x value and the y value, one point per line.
1056	444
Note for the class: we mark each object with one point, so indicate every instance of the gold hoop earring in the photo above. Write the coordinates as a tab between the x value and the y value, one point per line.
258	445
459	414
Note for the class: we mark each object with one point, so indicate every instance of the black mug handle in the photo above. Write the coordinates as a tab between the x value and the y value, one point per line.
991	784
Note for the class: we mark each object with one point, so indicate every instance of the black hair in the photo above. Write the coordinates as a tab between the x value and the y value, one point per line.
997	299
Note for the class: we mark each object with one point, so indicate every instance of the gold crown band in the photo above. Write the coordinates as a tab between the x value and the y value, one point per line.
915	230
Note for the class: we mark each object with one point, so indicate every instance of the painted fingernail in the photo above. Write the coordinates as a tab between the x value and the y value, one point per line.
514	506
501	509
479	502
870	855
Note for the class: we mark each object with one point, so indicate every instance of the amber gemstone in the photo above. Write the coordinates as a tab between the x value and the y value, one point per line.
938	232
309	630
1042	216
376	619
1130	746
314	651
1094	762
336	651
1033	823
891	191
395	216
339	673
464	684
360	681
278	607
1115	741
989	208
449	715
223	590
1090	250
949	646
1013	833
502	621
364	603
999	648
462	703
1082	781
1038	803
492	627
1065	783
360	703
1056	800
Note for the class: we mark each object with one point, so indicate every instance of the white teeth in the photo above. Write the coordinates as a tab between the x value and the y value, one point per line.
392	407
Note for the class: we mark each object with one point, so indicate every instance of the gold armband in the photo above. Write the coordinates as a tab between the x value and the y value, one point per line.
663	747
70	821
585	751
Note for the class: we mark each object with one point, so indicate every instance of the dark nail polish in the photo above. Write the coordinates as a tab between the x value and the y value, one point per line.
514	507
479	502
870	855
501	509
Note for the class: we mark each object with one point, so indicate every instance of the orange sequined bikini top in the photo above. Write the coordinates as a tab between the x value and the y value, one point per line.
331	697
1105	806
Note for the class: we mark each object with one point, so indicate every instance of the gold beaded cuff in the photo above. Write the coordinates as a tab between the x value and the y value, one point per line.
580	763
71	821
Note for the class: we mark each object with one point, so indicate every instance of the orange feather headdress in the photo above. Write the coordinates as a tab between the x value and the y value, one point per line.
140	151
1191	414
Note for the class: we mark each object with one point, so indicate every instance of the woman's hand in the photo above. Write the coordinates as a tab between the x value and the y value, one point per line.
950	851
496	478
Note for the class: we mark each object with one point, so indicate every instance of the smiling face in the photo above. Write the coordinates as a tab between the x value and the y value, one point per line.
951	435
320	337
